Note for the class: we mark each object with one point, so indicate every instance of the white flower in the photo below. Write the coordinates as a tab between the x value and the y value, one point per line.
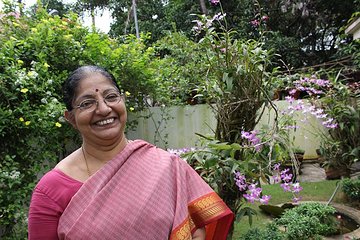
14	174
44	101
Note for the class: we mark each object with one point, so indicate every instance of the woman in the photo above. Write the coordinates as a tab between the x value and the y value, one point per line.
113	188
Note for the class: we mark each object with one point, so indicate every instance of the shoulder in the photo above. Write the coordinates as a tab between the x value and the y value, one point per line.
158	154
73	166
166	158
58	187
152	156
56	178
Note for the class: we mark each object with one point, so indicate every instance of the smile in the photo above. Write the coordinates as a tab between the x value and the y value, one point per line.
104	122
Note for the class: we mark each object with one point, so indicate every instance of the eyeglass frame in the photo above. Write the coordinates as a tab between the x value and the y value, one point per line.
96	102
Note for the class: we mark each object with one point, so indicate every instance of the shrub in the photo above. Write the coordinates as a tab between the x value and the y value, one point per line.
308	220
351	188
271	232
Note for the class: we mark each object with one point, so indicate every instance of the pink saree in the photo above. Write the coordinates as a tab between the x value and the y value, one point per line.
144	193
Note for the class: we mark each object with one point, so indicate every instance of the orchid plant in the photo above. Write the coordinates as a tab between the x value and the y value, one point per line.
336	107
253	193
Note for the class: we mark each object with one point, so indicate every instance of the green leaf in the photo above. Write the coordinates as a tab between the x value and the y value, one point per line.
228	81
220	146
210	163
246	211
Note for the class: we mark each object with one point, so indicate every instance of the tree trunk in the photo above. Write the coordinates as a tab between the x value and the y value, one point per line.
203	7
92	13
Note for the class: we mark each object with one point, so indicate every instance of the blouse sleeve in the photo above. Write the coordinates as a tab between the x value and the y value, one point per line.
44	214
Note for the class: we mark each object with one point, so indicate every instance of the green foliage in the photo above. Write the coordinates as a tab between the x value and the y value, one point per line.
341	146
31	112
271	232
308	220
150	15
57	7
303	33
183	67
246	211
351	188
11	201
312	191
217	162
239	80
311	28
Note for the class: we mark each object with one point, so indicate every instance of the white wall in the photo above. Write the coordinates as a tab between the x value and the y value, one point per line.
184	121
180	128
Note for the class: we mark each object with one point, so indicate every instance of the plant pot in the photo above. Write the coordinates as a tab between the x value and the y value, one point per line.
336	172
279	94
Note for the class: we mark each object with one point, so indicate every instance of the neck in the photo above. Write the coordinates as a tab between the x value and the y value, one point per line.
103	153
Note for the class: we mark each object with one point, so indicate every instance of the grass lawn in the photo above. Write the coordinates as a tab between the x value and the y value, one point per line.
312	191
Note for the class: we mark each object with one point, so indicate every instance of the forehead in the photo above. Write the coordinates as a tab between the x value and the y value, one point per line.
94	82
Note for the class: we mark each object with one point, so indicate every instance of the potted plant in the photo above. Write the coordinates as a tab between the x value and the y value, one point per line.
340	147
337	109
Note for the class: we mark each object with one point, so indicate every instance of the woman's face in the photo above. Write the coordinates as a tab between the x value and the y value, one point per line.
104	125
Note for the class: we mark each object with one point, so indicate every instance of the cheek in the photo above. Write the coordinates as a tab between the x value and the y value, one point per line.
82	119
121	109
123	114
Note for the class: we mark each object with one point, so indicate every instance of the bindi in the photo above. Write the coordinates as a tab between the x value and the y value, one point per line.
96	90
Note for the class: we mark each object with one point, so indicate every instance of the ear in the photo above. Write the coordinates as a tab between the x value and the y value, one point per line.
69	116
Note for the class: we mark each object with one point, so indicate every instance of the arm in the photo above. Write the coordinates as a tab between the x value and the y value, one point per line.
199	234
44	214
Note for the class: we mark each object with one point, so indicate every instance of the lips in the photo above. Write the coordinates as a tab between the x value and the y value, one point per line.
105	122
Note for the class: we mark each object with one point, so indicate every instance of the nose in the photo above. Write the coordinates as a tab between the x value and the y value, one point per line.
102	107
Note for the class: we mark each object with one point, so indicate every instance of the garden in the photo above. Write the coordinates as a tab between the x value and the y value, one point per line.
242	76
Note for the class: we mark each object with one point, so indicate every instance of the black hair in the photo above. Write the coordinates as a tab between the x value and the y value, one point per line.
72	82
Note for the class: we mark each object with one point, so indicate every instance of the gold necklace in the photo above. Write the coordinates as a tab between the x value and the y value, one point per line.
87	166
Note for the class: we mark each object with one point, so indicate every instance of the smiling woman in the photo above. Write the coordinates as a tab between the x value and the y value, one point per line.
113	188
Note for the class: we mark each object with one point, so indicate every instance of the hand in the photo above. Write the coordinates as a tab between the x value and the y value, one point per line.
199	234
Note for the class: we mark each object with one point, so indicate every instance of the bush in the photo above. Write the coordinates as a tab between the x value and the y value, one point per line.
351	188
308	220
271	232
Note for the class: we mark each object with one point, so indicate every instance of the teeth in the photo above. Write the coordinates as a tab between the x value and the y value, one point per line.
107	121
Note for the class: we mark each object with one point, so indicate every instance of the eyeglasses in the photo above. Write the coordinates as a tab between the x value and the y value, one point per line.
90	105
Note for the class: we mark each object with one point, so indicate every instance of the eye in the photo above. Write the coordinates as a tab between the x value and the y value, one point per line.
112	97
88	103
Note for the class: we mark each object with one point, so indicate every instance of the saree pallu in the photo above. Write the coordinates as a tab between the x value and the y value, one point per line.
144	193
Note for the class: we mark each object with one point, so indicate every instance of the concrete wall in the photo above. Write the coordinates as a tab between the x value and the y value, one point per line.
183	122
